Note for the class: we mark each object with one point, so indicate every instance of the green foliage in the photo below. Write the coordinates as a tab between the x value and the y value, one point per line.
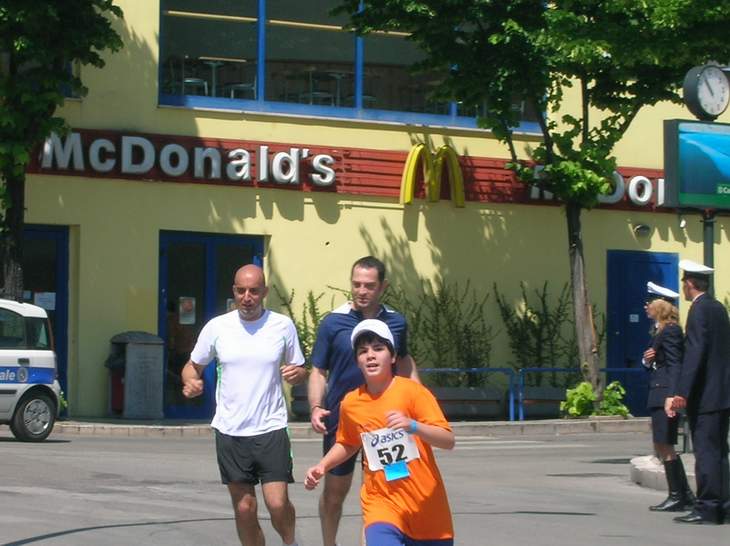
612	403
62	402
39	42
537	334
306	321
447	328
580	401
620	55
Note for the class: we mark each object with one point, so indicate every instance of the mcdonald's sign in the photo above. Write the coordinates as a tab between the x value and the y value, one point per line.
433	170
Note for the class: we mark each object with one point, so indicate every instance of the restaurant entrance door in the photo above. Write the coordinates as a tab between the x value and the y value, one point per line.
196	275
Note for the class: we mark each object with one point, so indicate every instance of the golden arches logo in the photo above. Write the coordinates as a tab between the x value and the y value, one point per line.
433	168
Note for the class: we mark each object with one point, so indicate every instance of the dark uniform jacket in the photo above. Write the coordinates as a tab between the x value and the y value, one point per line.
704	378
668	345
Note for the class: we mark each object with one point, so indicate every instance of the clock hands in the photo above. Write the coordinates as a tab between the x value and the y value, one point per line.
709	87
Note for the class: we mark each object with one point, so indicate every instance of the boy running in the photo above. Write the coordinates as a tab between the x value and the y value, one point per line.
395	421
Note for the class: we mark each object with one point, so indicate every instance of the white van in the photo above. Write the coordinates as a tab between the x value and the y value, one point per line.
29	392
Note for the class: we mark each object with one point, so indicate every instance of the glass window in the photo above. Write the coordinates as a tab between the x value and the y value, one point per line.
309	58
527	113
297	53
18	332
208	47
12	330
38	334
389	82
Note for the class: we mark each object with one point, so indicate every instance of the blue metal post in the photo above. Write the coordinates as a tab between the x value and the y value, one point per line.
520	394
261	52
511	376
359	66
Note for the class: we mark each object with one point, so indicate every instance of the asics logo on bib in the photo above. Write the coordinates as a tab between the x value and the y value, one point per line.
384	438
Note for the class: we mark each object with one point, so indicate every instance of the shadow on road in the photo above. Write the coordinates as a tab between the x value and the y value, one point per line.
38	538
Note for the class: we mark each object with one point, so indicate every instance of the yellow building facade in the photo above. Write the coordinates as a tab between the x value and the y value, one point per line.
132	233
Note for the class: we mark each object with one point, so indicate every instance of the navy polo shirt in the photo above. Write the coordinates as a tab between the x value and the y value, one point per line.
333	352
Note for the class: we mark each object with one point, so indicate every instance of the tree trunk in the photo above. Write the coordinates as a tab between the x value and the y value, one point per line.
11	238
584	328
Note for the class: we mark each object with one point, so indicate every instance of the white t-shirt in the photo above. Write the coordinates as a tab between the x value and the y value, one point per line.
249	399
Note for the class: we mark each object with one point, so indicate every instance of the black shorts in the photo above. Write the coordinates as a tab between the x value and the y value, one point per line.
663	429
344	469
252	459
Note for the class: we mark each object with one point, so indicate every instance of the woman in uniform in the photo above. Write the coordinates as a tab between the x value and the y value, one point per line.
663	360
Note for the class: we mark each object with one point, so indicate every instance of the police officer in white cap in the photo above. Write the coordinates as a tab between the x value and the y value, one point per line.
663	359
703	387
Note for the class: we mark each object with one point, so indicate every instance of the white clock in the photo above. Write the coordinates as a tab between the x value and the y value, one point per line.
706	91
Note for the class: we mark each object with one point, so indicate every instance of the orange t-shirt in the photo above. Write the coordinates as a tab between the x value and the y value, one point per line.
417	505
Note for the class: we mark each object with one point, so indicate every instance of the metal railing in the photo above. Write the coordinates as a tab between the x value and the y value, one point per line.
509	372
516	381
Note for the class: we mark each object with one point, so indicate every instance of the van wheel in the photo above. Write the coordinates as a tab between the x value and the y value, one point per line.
33	418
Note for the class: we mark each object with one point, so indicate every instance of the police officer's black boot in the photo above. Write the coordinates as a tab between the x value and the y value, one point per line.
675	501
687	496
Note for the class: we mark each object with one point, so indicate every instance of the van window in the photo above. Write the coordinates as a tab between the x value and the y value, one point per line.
18	332
37	333
12	330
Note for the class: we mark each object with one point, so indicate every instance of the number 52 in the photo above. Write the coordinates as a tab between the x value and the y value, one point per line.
394	453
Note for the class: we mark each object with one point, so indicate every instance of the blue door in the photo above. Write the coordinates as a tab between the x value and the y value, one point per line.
196	275
45	283
628	328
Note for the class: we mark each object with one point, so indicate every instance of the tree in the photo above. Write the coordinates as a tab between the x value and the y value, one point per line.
40	42
619	56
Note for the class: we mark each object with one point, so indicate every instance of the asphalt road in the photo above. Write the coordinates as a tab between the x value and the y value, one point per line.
567	490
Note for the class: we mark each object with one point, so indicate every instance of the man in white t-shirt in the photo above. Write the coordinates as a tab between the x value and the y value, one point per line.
255	348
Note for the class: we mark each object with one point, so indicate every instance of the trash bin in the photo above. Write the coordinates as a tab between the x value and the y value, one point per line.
136	375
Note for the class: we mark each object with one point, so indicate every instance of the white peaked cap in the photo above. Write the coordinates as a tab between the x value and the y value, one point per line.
655	289
377	327
693	267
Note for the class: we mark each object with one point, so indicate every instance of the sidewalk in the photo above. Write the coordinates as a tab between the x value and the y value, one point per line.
126	427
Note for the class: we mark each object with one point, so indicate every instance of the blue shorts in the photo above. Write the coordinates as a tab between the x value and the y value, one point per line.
344	469
387	534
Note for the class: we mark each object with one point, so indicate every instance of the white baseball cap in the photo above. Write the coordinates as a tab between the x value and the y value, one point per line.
693	267
660	291
375	326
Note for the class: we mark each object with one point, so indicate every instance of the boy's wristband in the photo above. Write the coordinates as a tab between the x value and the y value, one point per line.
315	406
414	427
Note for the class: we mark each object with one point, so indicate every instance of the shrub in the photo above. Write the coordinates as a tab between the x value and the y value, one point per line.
542	335
612	403
447	329
580	399
305	322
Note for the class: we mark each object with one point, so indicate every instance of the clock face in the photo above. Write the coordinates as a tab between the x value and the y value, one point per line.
713	90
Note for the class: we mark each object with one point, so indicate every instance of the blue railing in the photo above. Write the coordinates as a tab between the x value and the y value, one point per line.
509	372
518	399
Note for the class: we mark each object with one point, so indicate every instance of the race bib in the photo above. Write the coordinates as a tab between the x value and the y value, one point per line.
386	447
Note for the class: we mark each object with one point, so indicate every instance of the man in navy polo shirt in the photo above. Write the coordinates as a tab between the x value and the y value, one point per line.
335	373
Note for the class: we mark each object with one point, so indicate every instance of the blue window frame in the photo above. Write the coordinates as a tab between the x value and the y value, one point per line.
293	58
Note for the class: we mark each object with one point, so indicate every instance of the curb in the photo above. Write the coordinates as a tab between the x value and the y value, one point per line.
299	430
648	471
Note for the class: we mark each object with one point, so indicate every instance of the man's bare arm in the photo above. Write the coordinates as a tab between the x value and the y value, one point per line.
315	394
